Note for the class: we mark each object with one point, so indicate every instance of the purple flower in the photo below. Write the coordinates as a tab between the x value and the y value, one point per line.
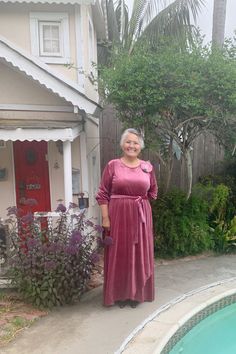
28	218
45	248
31	243
55	247
98	228
61	208
75	237
71	250
14	211
146	166
49	265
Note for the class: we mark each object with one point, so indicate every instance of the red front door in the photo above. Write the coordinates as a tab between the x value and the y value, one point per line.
31	175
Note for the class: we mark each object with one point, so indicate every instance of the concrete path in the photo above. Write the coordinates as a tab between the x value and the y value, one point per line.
89	328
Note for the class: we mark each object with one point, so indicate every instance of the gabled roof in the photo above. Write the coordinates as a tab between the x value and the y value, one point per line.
36	70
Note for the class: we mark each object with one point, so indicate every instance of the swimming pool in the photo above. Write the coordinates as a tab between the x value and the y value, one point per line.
213	335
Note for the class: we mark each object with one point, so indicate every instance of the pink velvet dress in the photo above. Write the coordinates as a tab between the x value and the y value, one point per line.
129	260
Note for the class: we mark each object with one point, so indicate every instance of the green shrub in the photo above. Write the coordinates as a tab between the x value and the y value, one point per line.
51	267
220	213
180	225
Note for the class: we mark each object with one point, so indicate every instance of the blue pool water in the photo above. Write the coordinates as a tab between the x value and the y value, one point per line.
216	334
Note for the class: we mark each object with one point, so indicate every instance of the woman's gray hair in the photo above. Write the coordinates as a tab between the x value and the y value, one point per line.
131	131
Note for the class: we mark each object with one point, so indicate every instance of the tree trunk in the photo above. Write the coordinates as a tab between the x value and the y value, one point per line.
219	16
189	166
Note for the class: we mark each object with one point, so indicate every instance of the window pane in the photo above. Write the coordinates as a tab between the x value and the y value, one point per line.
55	32
46	32
50	38
55	46
47	46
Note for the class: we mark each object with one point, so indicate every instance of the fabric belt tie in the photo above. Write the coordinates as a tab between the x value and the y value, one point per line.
139	202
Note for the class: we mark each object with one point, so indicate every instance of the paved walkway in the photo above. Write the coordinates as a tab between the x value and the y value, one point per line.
89	328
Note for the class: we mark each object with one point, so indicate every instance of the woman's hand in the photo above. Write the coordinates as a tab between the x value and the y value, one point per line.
106	222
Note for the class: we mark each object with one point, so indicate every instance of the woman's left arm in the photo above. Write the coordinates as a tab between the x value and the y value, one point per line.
152	192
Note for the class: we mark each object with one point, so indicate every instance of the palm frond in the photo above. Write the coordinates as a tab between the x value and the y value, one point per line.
155	18
122	18
136	16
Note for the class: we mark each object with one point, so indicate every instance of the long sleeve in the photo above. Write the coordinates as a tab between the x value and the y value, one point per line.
104	191
152	193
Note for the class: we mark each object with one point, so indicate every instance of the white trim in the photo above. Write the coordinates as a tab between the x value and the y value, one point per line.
38	71
79	35
67	165
50	166
67	134
63	19
13	172
36	108
84	164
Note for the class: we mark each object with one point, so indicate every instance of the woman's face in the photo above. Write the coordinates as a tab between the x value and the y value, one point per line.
131	146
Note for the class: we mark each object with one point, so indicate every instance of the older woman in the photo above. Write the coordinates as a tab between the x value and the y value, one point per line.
126	187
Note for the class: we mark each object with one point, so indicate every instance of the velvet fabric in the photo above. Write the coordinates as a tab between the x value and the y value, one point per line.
129	260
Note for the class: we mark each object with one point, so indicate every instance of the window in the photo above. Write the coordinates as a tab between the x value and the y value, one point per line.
50	37
50	43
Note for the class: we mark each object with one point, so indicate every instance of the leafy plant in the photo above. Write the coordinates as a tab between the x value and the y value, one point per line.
224	236
51	266
221	212
180	225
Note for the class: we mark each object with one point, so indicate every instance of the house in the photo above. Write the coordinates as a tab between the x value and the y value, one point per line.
49	111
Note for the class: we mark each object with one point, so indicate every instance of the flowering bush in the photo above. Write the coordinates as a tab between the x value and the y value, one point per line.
51	265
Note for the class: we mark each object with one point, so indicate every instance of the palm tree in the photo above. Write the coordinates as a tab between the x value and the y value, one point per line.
151	19
219	15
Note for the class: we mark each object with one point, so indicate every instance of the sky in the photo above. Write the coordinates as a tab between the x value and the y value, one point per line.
205	18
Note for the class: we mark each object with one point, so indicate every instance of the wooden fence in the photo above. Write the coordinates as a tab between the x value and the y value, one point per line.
207	152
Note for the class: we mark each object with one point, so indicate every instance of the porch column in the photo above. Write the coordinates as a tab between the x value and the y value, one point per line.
84	163
67	172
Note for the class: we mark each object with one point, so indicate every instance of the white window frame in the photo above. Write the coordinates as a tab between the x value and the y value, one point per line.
41	39
59	17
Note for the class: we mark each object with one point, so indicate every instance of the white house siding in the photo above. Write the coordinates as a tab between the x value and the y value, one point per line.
16	88
90	87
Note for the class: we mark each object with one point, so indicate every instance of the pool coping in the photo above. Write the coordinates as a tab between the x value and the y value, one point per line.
142	338
199	313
